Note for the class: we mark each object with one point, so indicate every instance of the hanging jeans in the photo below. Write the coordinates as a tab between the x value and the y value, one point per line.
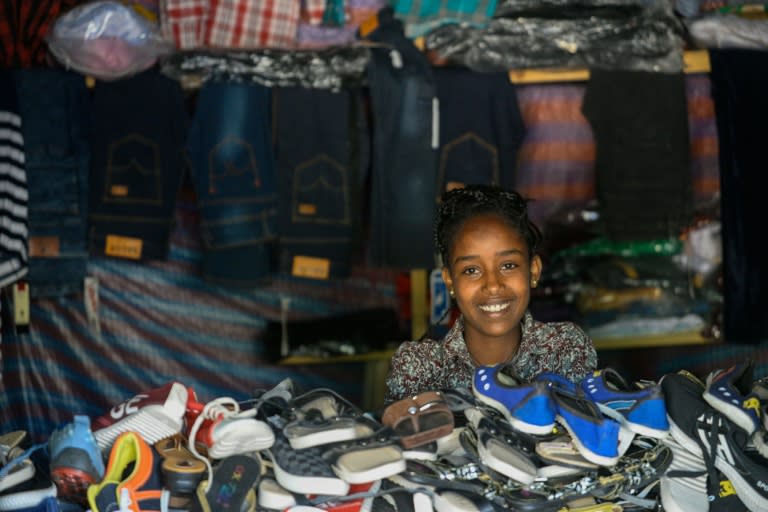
233	171
481	129
54	106
321	149
137	164
403	170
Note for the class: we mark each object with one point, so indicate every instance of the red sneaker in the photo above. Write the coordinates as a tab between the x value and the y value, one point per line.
154	415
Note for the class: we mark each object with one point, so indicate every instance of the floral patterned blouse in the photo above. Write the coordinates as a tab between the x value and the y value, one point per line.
431	365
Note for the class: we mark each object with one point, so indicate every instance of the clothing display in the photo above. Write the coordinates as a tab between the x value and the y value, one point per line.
137	136
217	258
56	116
321	169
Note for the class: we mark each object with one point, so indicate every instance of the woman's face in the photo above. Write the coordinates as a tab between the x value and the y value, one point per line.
490	273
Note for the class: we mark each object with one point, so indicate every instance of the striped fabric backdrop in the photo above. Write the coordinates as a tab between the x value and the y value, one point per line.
157	322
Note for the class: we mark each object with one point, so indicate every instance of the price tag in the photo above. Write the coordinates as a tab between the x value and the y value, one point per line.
123	247
21	303
313	268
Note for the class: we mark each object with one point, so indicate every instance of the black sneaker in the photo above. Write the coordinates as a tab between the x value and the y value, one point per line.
709	434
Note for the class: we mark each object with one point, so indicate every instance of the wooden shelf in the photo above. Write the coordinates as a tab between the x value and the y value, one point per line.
696	61
654	341
659	340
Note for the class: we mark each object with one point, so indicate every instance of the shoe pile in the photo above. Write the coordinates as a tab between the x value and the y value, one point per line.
602	444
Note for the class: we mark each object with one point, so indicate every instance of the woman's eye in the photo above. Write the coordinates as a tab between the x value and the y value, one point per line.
469	271
508	266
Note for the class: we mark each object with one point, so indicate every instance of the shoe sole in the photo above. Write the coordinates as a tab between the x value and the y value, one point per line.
369	465
72	483
24	471
733	412
152	426
502	458
300	484
272	496
241	440
322	437
744	490
522	426
588	454
26	499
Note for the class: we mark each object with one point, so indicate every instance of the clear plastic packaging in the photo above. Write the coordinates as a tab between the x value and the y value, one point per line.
106	40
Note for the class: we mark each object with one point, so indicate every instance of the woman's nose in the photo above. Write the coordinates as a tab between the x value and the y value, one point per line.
492	281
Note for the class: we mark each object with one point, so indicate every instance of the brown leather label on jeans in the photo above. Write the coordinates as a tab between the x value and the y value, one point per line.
123	247
313	268
44	246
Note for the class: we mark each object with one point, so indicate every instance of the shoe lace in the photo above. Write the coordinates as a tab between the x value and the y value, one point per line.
710	424
224	406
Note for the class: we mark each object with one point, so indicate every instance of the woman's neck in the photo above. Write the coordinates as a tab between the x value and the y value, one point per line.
491	351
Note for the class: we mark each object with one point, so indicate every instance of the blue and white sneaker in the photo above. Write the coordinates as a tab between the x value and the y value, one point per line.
731	392
594	435
527	407
642	411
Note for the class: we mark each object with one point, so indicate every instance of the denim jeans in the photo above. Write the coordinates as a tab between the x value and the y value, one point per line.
320	166
233	171
137	164
478	144
54	107
403	179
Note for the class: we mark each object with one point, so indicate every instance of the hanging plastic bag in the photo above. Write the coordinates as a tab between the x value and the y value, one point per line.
106	40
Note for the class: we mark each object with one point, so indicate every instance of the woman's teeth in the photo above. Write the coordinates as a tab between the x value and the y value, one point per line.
494	308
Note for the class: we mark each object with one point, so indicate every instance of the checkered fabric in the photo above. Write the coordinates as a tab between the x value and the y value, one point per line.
23	26
304	462
248	24
312	11
184	22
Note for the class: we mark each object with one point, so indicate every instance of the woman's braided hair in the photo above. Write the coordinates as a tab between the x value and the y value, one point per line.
459	204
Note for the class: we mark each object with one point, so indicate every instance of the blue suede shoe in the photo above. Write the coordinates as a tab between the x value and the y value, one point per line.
526	406
642	410
594	435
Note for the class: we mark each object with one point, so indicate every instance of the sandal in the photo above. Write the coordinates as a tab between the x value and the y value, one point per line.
420	419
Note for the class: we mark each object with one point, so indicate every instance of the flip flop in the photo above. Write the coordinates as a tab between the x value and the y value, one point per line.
232	487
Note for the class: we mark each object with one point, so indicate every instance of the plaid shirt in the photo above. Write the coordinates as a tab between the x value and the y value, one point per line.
236	24
23	26
184	22
252	24
434	365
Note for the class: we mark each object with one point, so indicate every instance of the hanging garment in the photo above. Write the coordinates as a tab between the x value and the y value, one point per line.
643	161
137	141
55	111
13	187
739	80
321	149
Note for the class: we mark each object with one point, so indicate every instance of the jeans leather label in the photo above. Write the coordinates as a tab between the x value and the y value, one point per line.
313	268
123	247
43	246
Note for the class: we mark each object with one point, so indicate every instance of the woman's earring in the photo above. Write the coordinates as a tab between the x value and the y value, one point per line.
452	293
534	282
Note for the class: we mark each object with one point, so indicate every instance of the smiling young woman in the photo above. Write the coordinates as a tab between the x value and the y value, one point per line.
488	248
